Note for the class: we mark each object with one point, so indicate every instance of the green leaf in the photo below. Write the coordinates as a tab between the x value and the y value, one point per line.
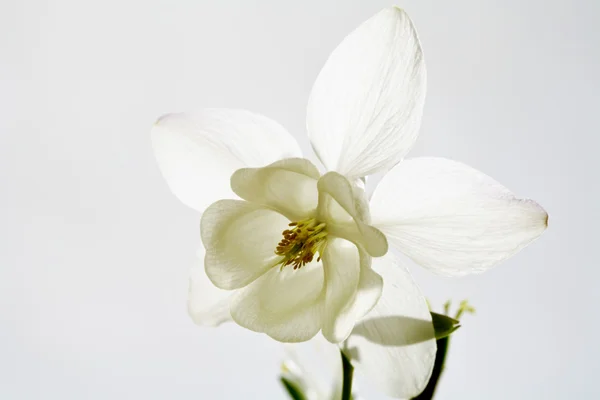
293	390
443	325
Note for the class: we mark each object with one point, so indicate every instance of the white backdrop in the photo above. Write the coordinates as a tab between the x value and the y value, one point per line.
95	250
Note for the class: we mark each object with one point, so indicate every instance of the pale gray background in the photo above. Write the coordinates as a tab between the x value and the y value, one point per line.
95	249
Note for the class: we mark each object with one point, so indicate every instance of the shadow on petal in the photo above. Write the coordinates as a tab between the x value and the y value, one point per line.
394	331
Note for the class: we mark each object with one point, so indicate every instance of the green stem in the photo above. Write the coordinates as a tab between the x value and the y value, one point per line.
293	389
438	368
348	371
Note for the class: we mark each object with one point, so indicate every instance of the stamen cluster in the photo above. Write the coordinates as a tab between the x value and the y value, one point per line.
301	242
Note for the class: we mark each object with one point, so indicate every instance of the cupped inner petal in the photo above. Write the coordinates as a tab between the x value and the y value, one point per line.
289	186
198	151
346	214
394	345
283	303
240	240
370	286
451	218
365	107
341	264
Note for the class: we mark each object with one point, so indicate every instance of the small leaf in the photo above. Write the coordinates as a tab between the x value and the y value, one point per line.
293	390
443	325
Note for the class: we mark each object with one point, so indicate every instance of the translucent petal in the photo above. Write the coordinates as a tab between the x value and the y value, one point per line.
198	151
451	218
394	346
365	108
316	363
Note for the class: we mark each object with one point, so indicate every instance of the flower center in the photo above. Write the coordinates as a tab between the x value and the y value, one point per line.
301	242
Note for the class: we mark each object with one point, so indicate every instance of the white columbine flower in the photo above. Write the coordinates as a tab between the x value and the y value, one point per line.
302	252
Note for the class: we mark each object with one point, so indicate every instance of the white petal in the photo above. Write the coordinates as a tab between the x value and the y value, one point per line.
198	151
369	290
344	213
285	304
451	218
341	264
394	346
240	240
207	304
365	108
318	363
289	186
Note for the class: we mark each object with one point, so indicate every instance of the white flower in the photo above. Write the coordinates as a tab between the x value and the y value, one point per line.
304	253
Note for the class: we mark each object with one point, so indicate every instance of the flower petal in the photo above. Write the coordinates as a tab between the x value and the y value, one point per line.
317	364
370	286
285	304
240	240
343	211
289	186
346	309
394	346
207	304
341	264
365	108
198	151
451	218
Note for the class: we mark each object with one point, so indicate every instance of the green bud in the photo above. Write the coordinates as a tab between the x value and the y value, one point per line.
443	325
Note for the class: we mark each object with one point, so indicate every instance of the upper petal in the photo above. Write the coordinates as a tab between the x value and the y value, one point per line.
394	346
341	207
207	304
283	303
198	151
240	240
451	218
288	186
365	108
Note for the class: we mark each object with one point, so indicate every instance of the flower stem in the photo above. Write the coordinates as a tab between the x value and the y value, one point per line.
348	371
438	368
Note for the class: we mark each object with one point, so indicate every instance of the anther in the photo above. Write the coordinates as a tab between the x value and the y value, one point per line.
301	243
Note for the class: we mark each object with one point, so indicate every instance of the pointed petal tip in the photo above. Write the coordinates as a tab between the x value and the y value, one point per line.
396	10
160	119
395	13
467	222
542	215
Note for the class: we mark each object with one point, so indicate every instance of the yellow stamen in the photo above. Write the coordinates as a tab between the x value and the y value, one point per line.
300	243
